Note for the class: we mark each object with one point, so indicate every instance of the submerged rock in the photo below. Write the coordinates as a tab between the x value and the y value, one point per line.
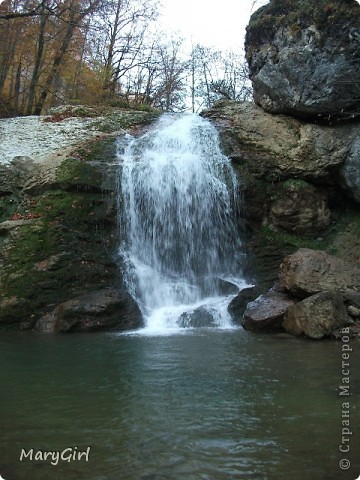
267	312
317	316
107	309
198	318
304	58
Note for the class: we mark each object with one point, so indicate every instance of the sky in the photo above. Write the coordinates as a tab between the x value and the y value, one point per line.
214	23
219	24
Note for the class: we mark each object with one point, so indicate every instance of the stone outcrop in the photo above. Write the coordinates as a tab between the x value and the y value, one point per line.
108	309
316	316
304	58
292	178
278	146
307	272
300	168
349	172
300	208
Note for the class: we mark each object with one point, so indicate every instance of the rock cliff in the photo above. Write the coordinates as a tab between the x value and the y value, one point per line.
59	235
297	154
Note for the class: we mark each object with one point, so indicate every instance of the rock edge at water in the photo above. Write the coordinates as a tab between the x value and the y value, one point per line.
107	309
318	294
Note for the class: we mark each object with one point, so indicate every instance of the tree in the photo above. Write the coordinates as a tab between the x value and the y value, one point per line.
71	15
10	10
170	92
233	83
43	12
120	28
43	38
216	75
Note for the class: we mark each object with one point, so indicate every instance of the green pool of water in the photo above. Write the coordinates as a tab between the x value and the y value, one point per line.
202	405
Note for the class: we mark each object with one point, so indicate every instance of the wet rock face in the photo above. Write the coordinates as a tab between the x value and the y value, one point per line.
300	208
58	235
304	58
349	173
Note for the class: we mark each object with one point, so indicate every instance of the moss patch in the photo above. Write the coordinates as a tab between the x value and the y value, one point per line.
346	222
64	253
296	184
73	173
118	120
9	205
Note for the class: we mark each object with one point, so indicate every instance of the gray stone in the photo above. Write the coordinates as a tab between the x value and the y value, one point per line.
303	58
9	179
198	318
353	311
316	316
351	297
238	305
26	166
280	147
266	313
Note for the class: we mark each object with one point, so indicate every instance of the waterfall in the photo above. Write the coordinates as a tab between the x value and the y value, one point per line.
181	247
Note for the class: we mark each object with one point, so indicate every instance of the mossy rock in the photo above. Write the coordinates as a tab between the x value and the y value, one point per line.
8	206
118	120
324	14
296	184
64	252
74	174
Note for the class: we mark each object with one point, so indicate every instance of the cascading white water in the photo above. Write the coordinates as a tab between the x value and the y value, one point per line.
181	247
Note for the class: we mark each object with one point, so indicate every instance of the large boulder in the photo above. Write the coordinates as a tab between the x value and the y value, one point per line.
267	312
316	316
107	309
304	58
307	272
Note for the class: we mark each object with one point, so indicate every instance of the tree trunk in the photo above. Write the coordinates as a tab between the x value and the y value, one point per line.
17	90
54	71
73	22
38	61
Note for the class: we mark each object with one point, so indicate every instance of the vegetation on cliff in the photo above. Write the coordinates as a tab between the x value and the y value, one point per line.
59	234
